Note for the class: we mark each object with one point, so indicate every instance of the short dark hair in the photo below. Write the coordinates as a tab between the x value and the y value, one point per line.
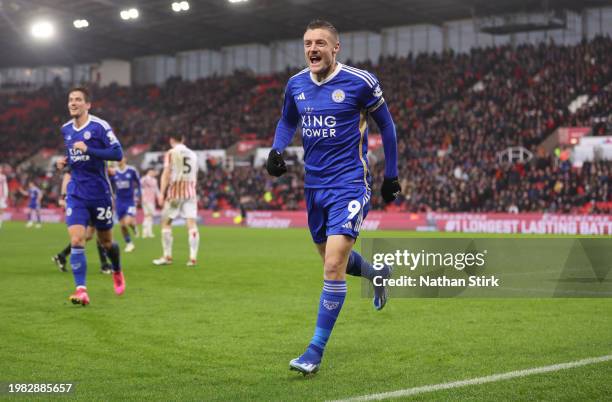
323	24
177	137
85	91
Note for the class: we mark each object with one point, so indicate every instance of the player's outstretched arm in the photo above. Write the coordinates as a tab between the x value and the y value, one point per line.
111	148
391	187
285	129
112	153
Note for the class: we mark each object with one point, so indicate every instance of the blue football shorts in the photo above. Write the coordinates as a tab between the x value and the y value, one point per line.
336	211
125	207
97	213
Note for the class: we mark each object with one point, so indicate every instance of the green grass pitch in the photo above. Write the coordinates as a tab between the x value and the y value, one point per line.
227	329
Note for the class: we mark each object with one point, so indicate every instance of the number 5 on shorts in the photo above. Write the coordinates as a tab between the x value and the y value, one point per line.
104	214
353	207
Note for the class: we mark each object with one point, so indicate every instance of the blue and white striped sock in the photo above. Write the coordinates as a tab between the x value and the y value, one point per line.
78	262
330	304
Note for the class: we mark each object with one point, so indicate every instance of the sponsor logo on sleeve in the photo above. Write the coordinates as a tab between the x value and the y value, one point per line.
377	91
111	137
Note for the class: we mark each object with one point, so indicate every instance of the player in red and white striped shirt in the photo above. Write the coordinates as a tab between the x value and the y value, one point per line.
3	193
178	190
150	193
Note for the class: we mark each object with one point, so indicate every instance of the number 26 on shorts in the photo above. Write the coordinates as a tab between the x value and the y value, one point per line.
104	213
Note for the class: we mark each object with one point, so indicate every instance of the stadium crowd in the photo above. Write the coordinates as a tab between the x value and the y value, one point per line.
454	114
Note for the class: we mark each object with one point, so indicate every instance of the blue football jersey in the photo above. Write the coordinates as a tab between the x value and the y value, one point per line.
332	117
33	194
89	178
127	183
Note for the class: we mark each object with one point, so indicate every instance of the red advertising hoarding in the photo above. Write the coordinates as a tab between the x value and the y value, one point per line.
504	223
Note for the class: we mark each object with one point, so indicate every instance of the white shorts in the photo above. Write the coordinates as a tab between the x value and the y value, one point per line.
148	208
187	209
2	203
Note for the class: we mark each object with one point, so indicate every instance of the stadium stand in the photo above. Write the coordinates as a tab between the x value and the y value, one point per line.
454	114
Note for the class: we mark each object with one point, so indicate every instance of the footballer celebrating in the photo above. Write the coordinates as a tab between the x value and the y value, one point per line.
331	102
90	142
178	197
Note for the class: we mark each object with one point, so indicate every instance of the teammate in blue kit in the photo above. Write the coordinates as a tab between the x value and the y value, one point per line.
34	195
330	102
127	187
90	142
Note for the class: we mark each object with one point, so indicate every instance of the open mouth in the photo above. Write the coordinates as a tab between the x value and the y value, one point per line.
314	60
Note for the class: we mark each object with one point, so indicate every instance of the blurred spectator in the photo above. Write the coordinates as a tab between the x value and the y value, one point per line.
454	113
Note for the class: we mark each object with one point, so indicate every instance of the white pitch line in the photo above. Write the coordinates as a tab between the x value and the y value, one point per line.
477	381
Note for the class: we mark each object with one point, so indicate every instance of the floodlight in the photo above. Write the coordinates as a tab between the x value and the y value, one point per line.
177	6
130	14
42	30
80	24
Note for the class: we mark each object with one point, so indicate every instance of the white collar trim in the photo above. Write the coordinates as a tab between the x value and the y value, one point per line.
329	78
83	126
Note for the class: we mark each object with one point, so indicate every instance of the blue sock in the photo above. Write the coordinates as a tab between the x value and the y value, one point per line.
113	255
330	304
78	262
127	238
357	266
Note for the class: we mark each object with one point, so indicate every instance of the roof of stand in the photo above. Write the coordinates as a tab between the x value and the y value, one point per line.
216	23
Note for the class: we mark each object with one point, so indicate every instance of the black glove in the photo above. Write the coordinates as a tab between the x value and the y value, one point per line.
390	189
275	165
